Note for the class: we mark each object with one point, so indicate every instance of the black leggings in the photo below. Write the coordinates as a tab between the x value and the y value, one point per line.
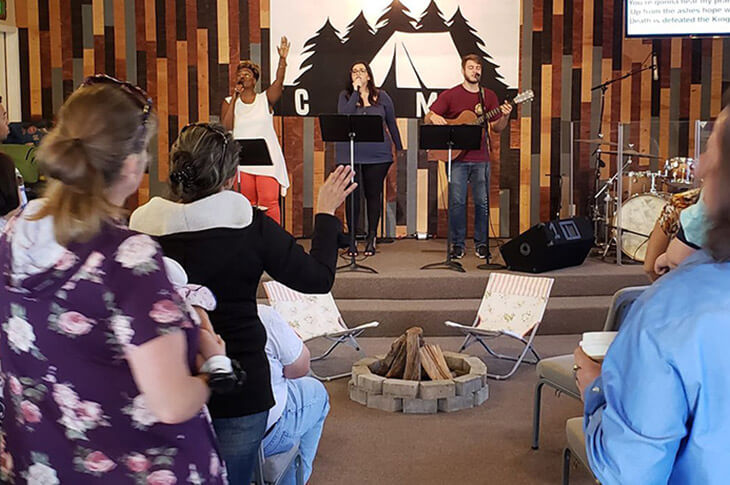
370	178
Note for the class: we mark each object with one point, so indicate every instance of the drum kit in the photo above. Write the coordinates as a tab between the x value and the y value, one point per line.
641	205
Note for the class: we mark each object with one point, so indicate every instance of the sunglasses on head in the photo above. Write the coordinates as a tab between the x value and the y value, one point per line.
212	129
138	94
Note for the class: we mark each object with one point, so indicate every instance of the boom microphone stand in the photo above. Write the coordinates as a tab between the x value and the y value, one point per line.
599	163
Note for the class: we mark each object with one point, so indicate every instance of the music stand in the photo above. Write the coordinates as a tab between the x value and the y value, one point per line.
449	137
254	153
352	128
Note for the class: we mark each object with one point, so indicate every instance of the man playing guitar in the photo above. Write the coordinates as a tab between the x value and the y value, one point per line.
471	166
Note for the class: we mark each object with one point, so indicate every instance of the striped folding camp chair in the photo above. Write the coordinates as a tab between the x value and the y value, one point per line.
314	316
512	306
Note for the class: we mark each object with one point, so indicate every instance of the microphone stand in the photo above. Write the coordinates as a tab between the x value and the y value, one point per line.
599	163
488	265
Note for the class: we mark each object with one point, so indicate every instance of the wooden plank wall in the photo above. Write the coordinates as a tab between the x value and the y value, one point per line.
184	53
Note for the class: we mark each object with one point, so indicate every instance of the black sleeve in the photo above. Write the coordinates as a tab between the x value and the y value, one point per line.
287	262
683	237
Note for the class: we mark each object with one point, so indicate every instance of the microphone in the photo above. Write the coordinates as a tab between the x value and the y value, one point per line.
654	66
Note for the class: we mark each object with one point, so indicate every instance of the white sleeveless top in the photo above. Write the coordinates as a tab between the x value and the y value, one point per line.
255	120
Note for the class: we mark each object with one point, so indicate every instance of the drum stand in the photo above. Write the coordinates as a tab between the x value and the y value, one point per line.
607	241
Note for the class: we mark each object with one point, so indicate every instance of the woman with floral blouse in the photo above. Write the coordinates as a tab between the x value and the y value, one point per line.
97	352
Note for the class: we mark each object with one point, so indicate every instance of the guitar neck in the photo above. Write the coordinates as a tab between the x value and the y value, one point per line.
491	114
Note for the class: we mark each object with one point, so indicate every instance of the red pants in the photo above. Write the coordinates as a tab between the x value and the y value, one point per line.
262	191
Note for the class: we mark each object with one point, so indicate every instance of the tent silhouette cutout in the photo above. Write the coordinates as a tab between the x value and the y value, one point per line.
414	55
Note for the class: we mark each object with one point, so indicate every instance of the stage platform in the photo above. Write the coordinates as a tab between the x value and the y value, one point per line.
401	295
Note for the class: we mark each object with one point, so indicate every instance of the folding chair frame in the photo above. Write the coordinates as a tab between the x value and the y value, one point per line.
347	337
258	472
474	335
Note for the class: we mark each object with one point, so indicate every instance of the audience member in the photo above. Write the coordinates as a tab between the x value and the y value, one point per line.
302	403
656	410
666	228
9	195
226	245
97	348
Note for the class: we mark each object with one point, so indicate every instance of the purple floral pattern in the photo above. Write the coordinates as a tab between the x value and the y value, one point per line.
73	410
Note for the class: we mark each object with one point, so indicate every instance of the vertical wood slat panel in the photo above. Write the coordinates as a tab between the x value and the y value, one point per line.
55	29
182	83
34	53
120	45
203	83
163	133
223	48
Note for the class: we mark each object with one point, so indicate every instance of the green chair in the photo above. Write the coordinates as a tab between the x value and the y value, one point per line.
24	157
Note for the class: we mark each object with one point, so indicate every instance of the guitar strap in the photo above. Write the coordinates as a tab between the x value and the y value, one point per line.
485	122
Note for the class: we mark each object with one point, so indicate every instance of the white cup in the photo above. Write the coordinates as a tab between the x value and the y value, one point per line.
596	344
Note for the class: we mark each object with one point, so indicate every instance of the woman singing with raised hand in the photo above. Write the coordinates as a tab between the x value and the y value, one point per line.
372	160
250	115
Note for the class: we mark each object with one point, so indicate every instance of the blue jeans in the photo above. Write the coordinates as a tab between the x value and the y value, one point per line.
239	440
307	405
461	174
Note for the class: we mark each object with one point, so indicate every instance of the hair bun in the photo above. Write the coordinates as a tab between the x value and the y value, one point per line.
184	172
68	160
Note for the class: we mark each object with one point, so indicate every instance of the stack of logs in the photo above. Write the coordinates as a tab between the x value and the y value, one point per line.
412	360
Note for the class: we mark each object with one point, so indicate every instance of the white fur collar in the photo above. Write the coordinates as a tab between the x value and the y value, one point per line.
160	217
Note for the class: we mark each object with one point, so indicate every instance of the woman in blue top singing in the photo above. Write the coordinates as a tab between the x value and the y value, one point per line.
372	160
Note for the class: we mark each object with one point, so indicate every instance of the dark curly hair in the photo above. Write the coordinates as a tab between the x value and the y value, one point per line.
202	159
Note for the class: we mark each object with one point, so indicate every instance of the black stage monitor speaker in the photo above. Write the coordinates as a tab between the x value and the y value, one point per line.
550	245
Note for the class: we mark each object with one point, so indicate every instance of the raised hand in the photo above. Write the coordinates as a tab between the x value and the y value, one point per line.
335	189
283	48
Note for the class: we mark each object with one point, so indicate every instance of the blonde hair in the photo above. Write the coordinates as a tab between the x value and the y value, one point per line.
99	126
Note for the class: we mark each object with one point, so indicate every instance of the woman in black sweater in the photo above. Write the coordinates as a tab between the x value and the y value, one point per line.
226	245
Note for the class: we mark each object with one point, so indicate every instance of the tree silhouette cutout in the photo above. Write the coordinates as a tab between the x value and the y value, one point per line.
325	68
359	43
395	18
432	19
468	42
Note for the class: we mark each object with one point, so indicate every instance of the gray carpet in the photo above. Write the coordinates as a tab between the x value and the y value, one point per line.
489	444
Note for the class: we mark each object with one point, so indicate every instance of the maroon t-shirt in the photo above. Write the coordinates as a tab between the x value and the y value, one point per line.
452	102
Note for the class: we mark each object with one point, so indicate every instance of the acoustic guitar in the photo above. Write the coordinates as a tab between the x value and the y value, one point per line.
469	117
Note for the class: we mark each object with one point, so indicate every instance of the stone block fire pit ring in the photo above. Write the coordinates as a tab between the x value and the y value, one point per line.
468	389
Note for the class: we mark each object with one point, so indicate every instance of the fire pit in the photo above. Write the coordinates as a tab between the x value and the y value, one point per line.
419	378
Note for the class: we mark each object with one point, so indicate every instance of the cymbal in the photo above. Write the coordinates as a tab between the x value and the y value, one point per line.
597	141
632	153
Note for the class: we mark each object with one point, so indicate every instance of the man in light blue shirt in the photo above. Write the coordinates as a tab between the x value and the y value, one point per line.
658	410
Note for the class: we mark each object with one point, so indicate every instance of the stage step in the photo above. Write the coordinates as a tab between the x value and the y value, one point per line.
564	315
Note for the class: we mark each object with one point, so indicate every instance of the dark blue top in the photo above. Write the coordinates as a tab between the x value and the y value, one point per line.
379	152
